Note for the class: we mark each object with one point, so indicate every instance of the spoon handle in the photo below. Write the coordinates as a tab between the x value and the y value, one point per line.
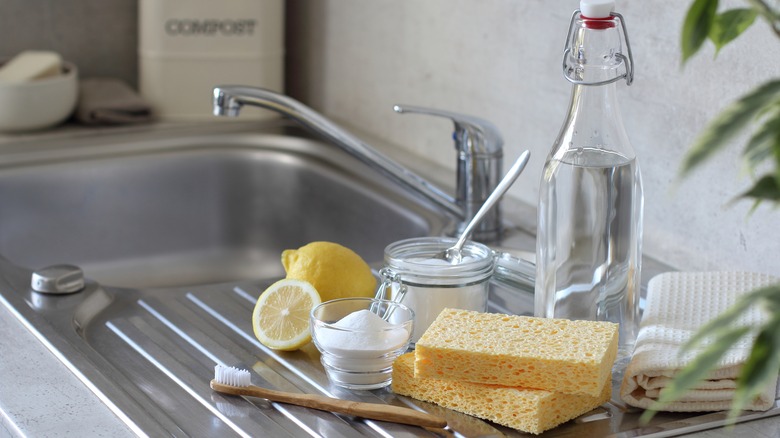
498	192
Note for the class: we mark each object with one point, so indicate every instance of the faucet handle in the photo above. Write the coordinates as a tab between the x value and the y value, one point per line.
472	135
480	158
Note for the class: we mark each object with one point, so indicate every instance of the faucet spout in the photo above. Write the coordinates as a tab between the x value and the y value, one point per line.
225	105
229	99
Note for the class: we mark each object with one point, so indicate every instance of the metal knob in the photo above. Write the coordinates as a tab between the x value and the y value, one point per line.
58	279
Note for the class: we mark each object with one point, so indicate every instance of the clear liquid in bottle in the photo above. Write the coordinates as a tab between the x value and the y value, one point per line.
592	216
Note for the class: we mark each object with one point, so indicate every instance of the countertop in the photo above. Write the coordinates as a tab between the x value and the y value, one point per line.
40	396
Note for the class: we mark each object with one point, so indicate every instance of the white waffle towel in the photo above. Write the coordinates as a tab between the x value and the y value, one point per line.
678	303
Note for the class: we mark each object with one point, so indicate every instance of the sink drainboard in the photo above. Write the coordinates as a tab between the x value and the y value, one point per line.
151	354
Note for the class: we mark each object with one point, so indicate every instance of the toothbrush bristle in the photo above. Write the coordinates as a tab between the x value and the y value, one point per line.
231	376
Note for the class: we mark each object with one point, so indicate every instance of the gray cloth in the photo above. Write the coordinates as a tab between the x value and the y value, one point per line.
106	101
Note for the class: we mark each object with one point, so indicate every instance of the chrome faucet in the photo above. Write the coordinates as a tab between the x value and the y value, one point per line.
478	142
480	149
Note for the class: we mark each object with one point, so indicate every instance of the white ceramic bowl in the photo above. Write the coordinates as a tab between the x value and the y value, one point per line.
39	104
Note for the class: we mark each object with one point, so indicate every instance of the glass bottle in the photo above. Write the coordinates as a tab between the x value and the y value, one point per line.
589	236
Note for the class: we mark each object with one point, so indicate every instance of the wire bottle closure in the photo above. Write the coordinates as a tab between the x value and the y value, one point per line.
570	70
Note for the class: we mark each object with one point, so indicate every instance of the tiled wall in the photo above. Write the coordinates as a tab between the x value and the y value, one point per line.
500	59
99	36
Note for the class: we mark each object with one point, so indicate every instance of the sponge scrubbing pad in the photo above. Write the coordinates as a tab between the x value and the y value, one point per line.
559	355
529	410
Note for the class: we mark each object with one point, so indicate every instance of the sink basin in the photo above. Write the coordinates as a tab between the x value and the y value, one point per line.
197	209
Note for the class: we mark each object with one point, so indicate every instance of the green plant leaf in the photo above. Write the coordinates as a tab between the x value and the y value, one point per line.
761	367
729	25
696	370
725	320
729	123
723	335
697	25
773	300
765	141
765	189
771	13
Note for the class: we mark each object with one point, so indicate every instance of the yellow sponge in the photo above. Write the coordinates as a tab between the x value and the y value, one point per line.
559	355
529	410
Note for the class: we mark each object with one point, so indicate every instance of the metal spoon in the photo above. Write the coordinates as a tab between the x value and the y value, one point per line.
453	254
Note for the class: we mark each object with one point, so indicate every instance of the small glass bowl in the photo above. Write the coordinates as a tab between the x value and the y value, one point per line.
358	352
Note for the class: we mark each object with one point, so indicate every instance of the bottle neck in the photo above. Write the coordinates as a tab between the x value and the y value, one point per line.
593	122
594	51
595	101
593	63
593	55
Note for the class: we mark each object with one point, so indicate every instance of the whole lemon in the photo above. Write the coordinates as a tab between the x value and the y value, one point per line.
334	270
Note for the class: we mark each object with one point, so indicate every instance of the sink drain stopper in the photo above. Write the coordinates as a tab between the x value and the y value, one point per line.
58	279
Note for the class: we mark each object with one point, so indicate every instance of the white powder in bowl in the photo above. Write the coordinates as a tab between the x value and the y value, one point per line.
358	351
363	333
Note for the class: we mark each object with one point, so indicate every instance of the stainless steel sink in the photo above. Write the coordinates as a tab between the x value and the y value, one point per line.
178	231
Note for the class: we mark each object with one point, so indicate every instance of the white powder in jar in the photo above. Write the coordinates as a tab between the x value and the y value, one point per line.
427	301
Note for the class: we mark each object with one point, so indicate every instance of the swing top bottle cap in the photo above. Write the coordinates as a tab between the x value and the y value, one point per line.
596	8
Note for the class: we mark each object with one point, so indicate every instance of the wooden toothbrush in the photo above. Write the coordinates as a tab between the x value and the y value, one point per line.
233	381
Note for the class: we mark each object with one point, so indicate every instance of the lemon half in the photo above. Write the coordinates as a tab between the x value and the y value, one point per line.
281	316
334	270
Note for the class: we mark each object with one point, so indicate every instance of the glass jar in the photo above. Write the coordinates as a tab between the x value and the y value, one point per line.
427	285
